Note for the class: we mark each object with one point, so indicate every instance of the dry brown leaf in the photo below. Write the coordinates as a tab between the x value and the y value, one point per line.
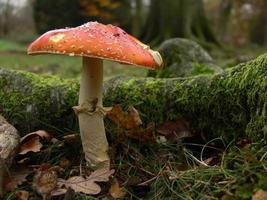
130	122
40	133
175	130
141	134
64	163
71	138
212	161
127	120
31	142
15	179
87	185
22	195
45	180
23	160
260	195
116	191
80	184
58	191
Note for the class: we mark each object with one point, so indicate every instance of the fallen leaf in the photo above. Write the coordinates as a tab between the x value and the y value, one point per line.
213	161
71	138
23	160
31	142
22	195
244	142
260	195
148	134
40	133
116	191
130	122
129	119
16	179
175	130
69	193
84	185
64	163
45	180
141	134
87	185
58	191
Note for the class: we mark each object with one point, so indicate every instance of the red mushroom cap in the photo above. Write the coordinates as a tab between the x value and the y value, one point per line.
97	40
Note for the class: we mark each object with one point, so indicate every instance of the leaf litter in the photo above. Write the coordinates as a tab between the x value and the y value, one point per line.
87	184
130	123
16	178
116	191
22	195
47	183
31	142
45	179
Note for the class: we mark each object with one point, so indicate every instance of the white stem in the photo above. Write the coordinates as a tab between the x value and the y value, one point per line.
91	122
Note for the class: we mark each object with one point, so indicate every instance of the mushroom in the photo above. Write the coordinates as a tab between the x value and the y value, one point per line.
94	42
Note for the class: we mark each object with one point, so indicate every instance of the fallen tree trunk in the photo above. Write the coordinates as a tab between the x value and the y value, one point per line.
230	104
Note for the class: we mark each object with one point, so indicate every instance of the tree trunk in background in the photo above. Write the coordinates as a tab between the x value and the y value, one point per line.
152	26
223	19
47	14
124	15
258	31
242	22
7	12
137	18
179	18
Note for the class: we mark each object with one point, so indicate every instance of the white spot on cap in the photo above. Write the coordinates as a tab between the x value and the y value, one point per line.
57	37
71	54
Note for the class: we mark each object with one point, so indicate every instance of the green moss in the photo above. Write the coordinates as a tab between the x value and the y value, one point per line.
232	104
229	104
183	58
201	69
36	100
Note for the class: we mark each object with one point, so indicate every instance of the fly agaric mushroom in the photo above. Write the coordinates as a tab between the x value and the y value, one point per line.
95	42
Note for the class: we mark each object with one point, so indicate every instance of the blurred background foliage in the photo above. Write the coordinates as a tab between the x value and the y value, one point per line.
228	26
237	22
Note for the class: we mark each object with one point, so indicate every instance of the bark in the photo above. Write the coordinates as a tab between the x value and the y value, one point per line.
180	18
223	20
137	18
6	16
232	104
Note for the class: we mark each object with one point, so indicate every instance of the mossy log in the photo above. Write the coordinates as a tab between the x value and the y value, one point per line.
230	104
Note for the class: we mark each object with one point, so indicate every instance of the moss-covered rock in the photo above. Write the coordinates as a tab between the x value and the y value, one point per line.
231	104
182	58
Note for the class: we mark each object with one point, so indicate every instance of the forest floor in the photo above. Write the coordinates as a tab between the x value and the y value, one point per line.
166	167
